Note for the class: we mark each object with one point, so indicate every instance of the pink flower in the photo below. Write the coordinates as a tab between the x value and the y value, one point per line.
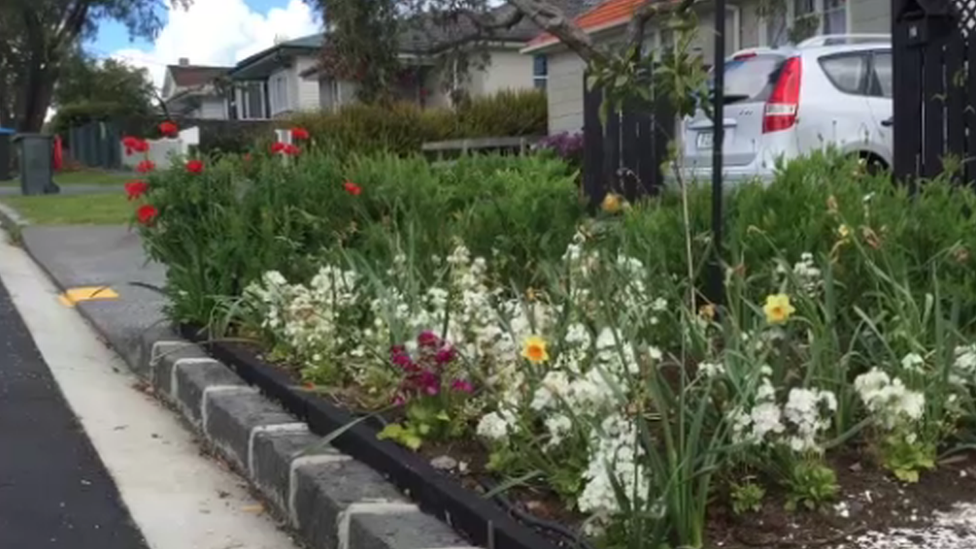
463	386
445	354
429	382
428	339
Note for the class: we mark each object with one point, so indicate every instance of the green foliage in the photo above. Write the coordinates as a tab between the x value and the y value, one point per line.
222	229
811	484
402	128
364	45
906	456
91	89
747	497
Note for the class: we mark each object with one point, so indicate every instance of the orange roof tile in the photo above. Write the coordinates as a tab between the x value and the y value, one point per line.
606	14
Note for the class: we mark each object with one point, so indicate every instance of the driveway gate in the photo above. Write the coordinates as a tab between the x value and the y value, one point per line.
934	43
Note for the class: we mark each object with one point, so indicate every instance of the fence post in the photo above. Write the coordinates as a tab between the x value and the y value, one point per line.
592	145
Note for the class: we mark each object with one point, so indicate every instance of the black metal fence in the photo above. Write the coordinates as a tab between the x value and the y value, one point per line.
934	47
625	152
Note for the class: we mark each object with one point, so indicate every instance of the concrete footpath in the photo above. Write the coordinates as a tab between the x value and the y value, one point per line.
89	458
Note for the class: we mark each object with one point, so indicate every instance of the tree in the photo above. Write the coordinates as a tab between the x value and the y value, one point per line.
84	78
364	33
40	35
90	89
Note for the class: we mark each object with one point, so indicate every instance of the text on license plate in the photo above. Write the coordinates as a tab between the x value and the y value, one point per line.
705	140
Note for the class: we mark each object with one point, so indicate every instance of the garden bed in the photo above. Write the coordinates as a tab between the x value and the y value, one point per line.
477	310
870	500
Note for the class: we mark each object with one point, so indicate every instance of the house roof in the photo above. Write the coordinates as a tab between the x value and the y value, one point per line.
608	14
189	76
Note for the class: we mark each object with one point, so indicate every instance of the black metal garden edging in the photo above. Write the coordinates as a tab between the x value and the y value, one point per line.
480	519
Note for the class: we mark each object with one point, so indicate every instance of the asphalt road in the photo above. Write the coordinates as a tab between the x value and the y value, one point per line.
54	490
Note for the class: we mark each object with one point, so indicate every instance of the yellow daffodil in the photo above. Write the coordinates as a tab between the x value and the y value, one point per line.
612	203
534	350
778	309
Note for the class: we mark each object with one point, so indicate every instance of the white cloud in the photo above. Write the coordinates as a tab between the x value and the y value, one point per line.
220	32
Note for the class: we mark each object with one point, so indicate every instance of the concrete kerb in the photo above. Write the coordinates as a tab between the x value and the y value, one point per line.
331	500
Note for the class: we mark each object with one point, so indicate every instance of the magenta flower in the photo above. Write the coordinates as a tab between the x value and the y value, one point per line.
445	355
463	386
429	340
429	382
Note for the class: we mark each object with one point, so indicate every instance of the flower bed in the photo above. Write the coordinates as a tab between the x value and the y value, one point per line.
477	318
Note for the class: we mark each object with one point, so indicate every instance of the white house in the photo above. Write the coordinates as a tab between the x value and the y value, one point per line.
288	77
607	21
192	91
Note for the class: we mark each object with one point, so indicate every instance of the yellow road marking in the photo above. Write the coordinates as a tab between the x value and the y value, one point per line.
74	296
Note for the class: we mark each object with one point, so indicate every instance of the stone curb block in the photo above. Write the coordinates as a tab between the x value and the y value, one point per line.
333	501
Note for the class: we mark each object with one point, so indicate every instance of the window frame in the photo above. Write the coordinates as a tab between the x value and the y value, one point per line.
243	93
278	97
875	90
791	16
540	81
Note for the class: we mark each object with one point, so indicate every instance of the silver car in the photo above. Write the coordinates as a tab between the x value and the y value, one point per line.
786	102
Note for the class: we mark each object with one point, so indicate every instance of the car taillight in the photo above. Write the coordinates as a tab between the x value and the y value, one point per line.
784	101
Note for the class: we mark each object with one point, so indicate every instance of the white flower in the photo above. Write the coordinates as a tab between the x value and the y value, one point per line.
554	386
493	427
711	369
558	426
912	362
888	398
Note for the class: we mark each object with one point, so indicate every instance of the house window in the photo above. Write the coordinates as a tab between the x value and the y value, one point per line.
834	17
250	101
803	19
278	93
540	71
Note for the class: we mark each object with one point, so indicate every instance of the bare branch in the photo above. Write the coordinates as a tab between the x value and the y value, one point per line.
647	11
552	20
486	23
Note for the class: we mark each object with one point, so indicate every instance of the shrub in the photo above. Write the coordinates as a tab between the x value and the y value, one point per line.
403	128
223	228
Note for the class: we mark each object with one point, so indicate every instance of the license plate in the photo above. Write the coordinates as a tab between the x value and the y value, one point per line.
705	140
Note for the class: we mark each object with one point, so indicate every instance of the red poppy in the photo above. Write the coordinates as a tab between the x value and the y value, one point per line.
130	143
146	214
136	188
292	150
169	129
277	147
299	134
140	145
146	166
352	188
194	166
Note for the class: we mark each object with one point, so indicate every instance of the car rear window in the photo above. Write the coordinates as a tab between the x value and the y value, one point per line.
752	78
847	72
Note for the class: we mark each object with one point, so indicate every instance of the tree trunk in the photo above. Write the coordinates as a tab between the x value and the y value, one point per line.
39	90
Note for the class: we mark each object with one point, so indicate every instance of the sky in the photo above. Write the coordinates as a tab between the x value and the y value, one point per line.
210	32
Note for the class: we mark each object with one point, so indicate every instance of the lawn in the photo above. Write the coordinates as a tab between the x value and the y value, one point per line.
87	209
83	177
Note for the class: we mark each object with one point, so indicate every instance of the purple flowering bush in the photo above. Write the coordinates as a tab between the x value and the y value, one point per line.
432	392
565	145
